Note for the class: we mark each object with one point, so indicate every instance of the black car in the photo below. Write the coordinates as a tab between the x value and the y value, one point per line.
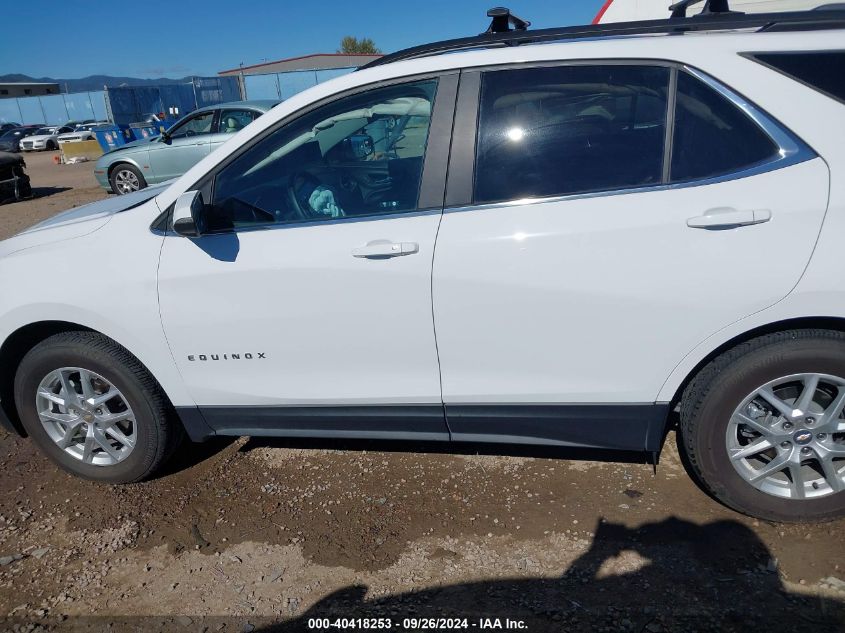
14	183
10	140
5	127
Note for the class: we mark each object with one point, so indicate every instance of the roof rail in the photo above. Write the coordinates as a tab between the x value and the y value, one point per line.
713	21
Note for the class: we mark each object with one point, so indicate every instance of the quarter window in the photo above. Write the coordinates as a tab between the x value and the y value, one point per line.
822	70
361	155
570	129
712	135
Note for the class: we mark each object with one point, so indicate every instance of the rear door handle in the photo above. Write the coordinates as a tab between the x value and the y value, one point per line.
727	218
382	249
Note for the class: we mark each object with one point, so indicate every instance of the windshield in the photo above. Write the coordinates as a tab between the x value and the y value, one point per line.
44	131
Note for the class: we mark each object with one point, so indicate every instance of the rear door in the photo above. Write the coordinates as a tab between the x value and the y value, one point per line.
229	122
602	225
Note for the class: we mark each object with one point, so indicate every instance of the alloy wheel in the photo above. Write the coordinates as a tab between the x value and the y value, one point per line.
86	416
126	181
787	438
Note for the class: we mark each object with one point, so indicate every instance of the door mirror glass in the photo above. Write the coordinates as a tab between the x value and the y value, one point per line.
188	214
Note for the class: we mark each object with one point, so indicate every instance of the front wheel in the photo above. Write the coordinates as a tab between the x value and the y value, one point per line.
763	429
126	179
94	409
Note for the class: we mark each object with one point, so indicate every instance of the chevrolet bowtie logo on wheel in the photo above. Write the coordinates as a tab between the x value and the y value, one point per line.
246	356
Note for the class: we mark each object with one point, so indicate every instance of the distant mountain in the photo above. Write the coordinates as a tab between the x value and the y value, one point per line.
94	82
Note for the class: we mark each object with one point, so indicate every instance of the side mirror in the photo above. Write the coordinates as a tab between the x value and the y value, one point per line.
188	214
164	137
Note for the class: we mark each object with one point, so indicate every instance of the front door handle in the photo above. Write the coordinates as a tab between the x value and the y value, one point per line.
382	249
728	218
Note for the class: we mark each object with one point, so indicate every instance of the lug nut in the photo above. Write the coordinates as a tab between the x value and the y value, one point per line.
821	436
787	425
811	420
806	450
785	444
99	412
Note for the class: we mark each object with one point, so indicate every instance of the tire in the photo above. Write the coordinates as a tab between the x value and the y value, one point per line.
726	384
126	178
51	146
156	435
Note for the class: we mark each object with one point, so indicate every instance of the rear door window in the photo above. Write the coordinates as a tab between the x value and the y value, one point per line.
232	121
570	129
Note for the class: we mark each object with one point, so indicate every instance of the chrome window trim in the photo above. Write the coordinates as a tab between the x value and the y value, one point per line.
791	148
791	151
760	168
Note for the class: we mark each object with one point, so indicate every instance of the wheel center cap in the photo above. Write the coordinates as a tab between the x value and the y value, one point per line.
88	417
802	437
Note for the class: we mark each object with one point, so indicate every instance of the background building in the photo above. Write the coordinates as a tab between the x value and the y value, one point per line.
24	89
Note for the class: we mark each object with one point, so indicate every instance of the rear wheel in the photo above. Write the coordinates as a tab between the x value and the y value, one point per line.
93	408
125	179
763	426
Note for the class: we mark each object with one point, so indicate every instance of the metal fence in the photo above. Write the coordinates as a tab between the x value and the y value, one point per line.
132	103
54	109
128	104
284	85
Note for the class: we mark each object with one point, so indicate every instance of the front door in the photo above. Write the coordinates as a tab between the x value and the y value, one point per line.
307	307
591	262
185	145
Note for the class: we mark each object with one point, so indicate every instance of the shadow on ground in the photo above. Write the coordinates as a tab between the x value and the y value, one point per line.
671	575
44	192
684	577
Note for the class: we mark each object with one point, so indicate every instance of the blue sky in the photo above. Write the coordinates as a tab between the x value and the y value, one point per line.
174	39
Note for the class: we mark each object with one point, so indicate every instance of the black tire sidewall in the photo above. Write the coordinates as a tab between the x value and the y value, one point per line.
727	390
43	360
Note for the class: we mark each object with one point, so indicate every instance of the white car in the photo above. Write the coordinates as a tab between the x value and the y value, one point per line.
582	243
44	139
82	132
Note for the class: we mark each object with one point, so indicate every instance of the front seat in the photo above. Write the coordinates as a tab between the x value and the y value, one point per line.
231	125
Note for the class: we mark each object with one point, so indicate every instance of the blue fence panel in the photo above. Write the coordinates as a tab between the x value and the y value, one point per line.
79	106
98	103
331	73
261	86
294	82
53	109
31	111
214	90
285	85
9	112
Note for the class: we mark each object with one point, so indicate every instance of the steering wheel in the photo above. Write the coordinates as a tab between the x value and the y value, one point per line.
302	185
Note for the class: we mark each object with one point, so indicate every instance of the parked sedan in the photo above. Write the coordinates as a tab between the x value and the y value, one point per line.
82	132
44	138
148	161
10	140
5	127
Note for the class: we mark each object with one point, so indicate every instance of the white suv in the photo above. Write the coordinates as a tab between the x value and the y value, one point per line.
579	243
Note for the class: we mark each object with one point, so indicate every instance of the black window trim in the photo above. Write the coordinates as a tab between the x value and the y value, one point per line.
459	194
753	57
435	165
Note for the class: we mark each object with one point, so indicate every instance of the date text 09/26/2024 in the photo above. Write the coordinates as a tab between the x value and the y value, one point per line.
412	624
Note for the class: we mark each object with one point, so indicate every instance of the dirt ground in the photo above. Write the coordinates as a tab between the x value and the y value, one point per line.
258	535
